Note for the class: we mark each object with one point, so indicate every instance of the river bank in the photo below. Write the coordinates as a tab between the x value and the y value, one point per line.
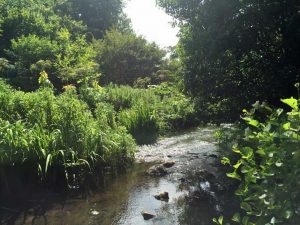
195	183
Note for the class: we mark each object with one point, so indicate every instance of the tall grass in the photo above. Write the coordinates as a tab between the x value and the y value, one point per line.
53	136
54	139
146	113
142	122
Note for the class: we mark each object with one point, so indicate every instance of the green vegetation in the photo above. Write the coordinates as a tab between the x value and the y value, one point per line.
237	52
50	136
46	136
80	89
57	125
146	113
125	57
267	166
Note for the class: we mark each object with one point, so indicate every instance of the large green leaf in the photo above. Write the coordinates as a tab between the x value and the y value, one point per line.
291	102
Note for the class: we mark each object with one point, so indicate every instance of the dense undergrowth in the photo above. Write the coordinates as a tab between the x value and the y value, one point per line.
54	139
267	166
146	113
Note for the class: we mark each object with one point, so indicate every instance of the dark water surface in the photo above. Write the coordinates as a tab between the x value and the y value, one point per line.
122	199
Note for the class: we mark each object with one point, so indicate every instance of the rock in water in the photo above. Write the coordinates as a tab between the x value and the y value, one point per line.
168	164
157	170
213	156
164	196
147	215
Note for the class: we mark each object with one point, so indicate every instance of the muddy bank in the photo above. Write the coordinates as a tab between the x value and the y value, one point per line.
194	183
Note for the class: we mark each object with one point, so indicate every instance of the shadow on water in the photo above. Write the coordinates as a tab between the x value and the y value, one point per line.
120	200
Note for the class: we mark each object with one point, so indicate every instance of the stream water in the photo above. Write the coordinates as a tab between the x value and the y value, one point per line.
193	201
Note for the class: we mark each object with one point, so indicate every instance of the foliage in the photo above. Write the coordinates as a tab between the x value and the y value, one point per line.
232	51
175	110
49	135
268	165
98	15
142	122
146	113
125	57
35	38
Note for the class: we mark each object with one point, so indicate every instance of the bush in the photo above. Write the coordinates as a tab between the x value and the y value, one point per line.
268	166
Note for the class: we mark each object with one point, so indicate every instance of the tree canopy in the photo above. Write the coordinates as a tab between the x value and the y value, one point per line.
235	50
98	15
125	57
53	35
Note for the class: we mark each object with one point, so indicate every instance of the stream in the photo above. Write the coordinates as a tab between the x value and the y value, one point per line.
194	183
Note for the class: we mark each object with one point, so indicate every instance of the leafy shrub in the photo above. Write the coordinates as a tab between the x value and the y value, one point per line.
175	110
268	166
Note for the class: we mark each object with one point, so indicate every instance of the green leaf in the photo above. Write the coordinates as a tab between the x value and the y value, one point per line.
234	175
291	102
288	214
220	220
246	206
247	152
286	126
254	123
236	218
245	220
261	152
48	163
225	161
273	220
237	165
262	196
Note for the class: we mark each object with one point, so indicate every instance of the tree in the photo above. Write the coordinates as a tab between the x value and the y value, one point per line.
124	57
35	39
233	51
98	15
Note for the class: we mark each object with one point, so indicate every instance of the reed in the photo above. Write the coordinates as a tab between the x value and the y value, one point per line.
50	135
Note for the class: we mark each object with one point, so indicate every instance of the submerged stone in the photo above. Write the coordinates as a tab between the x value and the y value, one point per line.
157	170
168	164
147	215
164	196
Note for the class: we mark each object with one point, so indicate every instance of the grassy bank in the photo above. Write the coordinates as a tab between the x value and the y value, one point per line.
146	113
60	139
